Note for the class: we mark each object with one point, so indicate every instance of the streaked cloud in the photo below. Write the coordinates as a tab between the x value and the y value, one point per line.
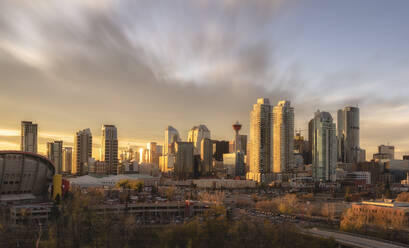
142	65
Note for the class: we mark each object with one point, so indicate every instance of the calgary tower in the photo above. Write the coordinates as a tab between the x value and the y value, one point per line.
237	143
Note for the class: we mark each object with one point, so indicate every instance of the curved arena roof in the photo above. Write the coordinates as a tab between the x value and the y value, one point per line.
24	173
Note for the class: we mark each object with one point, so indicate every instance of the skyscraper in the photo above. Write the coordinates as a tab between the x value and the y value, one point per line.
310	134
82	151
171	136
324	148
219	148
348	135
206	156
184	160
28	136
54	153
261	141
167	160
283	126
67	159
109	148
196	134
153	153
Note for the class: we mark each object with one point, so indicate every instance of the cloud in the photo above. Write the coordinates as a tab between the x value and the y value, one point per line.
142	65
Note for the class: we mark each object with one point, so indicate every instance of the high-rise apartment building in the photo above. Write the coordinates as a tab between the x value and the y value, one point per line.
82	151
28	137
261	141
196	134
283	126
324	148
67	159
54	153
184	162
348	135
109	148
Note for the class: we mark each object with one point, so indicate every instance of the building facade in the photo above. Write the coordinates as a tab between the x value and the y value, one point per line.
82	151
387	214
303	147
206	157
96	167
183	167
324	148
220	147
283	142
67	159
24	175
54	153
385	153
109	148
348	135
196	135
261	142
171	136
28	136
153	153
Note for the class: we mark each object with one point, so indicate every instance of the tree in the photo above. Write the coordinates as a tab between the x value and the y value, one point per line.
403	197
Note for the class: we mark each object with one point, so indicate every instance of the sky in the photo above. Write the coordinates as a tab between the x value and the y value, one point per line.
142	65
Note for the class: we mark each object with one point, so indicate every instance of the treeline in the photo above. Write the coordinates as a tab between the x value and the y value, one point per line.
291	204
74	224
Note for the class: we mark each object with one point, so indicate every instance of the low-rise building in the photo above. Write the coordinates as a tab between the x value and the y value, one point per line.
390	213
32	213
111	180
224	183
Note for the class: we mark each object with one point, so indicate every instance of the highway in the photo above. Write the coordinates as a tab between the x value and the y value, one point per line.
352	240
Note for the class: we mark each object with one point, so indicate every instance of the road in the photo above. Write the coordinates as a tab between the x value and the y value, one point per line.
352	240
346	239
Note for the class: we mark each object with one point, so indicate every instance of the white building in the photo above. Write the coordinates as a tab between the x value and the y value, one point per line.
283	127
111	180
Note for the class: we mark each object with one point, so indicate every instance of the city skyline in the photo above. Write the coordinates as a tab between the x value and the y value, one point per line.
124	144
212	75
